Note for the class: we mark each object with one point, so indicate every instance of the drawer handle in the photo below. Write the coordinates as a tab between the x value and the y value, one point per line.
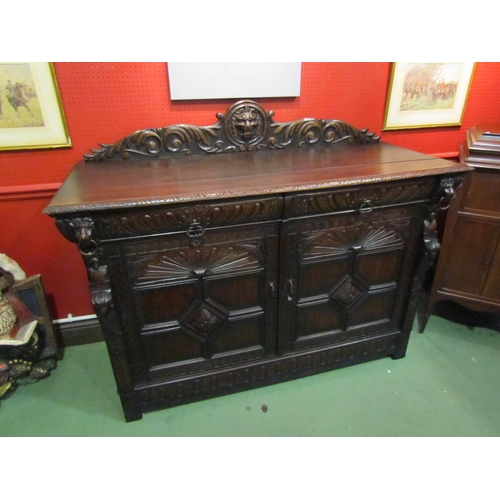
87	247
366	207
291	291
445	202
195	232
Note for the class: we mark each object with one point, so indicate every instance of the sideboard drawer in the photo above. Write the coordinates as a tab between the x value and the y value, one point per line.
358	198
129	223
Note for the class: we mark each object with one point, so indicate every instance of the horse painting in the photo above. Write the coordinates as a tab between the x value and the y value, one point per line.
16	98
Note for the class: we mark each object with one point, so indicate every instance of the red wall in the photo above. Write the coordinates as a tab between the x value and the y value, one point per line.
105	101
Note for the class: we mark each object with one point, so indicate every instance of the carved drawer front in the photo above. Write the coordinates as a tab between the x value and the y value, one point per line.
187	309
362	199
349	276
180	217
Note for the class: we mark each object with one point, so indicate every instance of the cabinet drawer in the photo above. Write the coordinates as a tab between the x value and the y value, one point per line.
172	218
359	198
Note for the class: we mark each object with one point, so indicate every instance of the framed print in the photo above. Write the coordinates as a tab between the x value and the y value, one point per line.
31	113
425	95
32	293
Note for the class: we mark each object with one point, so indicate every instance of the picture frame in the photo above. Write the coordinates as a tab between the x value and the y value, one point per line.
31	111
32	293
425	95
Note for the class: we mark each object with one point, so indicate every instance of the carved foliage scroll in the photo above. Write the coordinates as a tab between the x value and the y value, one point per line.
246	126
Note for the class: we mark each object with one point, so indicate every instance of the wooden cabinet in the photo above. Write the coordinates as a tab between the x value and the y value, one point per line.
468	269
186	309
347	276
271	252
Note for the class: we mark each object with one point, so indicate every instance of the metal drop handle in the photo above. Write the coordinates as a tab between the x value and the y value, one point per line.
291	291
366	207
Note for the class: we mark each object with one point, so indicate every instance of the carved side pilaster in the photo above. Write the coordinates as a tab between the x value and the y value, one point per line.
81	230
446	192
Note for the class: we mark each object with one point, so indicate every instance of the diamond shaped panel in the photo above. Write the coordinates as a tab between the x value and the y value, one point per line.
348	292
204	319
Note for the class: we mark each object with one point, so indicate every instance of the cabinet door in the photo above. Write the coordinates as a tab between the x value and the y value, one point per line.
347	277
187	309
491	288
475	243
472	262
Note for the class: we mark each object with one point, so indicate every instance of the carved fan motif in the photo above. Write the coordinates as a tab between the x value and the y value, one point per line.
200	263
348	240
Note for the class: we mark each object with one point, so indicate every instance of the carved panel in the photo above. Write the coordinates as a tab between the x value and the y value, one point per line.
348	292
244	127
160	220
205	320
348	239
189	263
364	198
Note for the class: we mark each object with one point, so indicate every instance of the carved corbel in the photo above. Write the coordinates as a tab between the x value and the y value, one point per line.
80	230
448	190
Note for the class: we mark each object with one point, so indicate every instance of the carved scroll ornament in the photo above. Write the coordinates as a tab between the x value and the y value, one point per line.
246	126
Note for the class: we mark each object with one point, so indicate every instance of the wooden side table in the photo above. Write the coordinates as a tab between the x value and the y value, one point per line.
468	268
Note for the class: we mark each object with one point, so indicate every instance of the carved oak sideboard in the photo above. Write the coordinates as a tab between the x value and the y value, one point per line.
227	257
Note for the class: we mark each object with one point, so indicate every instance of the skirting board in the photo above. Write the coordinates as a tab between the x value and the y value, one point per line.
78	332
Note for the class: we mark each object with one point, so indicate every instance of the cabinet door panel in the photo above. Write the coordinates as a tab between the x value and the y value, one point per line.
170	346
235	292
374	308
315	318
347	276
491	289
163	304
379	268
482	195
316	276
468	267
190	308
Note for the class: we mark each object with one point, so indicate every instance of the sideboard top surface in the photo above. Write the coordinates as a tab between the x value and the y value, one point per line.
125	183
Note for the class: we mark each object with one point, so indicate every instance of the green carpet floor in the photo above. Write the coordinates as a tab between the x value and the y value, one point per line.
447	385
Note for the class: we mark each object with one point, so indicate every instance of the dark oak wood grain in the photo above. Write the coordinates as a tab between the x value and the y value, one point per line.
196	178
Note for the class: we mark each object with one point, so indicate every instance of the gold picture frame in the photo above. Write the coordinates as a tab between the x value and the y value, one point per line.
31	111
424	95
